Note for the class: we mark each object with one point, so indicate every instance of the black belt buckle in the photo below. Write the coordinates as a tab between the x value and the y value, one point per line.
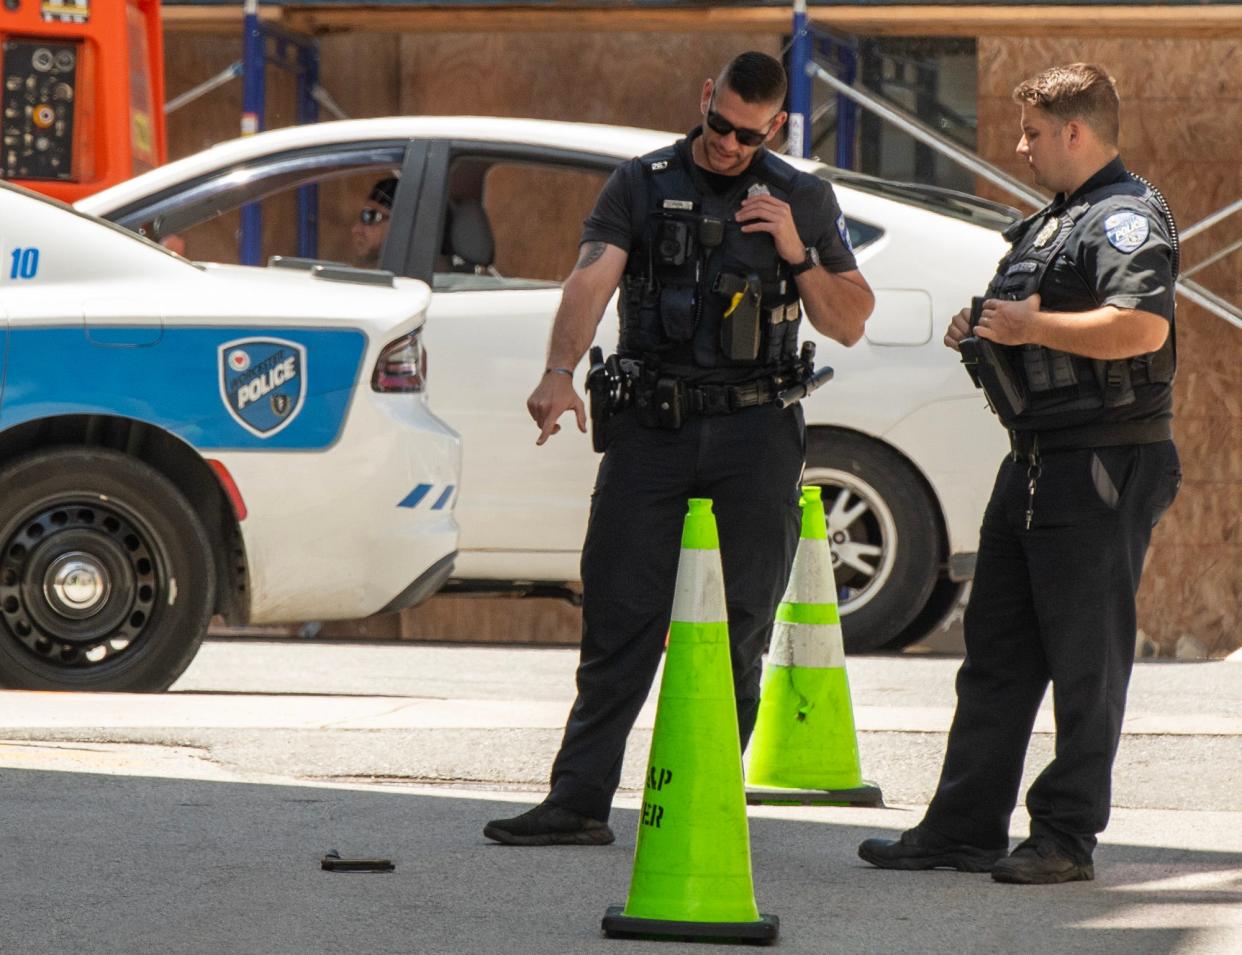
744	396
708	400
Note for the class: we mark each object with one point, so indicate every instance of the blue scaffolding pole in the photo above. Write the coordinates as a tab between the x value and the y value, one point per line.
255	39
800	84
254	92
308	112
806	41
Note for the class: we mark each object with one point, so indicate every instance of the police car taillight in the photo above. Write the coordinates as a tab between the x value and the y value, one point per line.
402	365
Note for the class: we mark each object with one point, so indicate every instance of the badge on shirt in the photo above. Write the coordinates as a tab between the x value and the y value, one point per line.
844	231
757	189
1126	231
1047	232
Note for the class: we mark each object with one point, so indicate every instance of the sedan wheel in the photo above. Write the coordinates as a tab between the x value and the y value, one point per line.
883	533
106	577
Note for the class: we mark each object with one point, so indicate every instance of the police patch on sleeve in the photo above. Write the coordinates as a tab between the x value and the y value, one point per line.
1126	231
844	231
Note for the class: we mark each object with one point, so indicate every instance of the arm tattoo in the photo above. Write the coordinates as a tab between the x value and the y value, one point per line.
591	253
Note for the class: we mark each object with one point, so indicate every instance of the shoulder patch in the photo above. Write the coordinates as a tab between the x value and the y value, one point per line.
659	165
1126	231
844	231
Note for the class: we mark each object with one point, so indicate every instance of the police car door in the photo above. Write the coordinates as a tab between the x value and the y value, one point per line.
499	227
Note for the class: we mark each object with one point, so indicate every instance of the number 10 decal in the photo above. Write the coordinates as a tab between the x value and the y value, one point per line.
25	264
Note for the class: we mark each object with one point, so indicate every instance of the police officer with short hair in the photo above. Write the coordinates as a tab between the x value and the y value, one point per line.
1074	347
714	241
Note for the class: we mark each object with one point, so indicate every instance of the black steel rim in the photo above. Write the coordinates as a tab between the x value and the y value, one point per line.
79	580
863	554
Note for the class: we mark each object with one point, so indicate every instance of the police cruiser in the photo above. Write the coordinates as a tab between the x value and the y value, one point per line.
179	441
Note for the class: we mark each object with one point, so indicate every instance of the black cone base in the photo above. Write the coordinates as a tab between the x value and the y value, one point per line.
867	794
763	932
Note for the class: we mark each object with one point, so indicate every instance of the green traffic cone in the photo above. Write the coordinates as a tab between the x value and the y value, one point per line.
692	876
805	747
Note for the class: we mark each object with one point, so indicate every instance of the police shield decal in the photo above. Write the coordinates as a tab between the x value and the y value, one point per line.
263	383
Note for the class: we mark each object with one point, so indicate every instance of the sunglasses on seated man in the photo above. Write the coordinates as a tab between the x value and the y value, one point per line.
747	137
372	216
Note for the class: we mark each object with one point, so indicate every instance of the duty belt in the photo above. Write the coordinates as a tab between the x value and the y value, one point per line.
726	399
1026	443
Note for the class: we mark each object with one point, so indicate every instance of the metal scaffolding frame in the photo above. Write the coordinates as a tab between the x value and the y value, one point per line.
805	69
300	56
806	41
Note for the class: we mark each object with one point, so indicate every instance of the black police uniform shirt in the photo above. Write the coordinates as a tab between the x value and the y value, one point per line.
1094	269
814	206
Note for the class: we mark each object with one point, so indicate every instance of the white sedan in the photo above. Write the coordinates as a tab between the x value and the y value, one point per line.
179	440
488	211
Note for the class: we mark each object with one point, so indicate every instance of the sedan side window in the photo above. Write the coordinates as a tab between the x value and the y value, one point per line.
312	204
511	224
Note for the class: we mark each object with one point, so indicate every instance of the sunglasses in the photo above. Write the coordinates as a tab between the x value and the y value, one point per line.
372	216
747	137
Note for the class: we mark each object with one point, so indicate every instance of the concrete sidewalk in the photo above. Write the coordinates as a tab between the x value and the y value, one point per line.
312	711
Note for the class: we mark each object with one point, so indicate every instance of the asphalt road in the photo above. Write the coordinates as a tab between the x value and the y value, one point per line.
194	821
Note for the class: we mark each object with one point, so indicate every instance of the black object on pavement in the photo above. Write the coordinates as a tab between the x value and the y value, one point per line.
332	862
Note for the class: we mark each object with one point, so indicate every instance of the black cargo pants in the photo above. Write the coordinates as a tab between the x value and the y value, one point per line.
749	463
1052	602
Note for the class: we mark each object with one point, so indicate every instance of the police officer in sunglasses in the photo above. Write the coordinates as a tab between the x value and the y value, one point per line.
718	246
370	229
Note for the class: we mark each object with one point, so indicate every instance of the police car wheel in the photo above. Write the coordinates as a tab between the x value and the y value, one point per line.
883	532
106	574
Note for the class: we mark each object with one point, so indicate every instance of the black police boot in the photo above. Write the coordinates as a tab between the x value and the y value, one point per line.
920	849
549	825
1041	862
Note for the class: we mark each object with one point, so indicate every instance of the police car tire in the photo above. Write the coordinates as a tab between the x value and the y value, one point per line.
943	604
900	514
128	518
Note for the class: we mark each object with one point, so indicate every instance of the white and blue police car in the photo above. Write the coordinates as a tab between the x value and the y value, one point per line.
178	441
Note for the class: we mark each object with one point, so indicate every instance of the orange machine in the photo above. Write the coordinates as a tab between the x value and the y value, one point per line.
82	95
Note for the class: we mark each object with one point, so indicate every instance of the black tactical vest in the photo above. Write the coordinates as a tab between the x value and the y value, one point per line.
1055	381
698	293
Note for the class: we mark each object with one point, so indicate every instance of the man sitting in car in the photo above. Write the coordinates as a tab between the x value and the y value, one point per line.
371	227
